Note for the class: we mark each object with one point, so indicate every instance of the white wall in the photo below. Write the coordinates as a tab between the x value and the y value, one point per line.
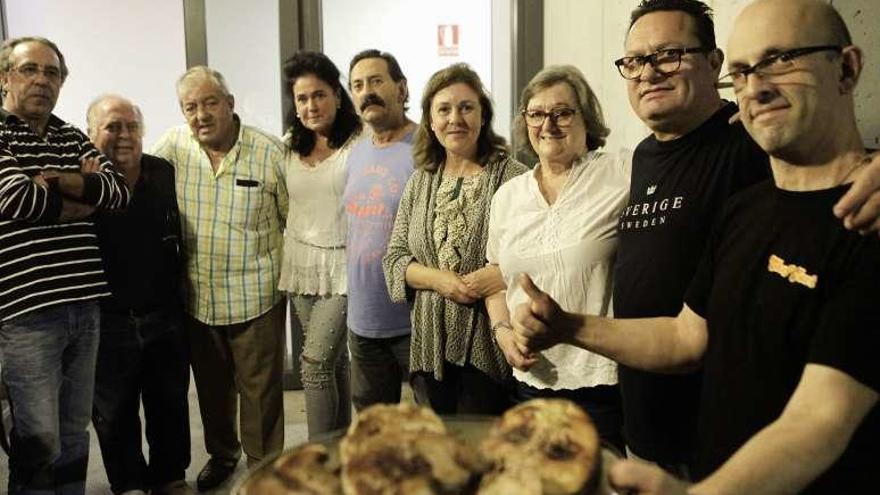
408	30
502	67
243	46
589	34
133	47
861	18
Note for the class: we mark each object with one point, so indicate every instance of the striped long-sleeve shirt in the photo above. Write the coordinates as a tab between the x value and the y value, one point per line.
233	223
43	261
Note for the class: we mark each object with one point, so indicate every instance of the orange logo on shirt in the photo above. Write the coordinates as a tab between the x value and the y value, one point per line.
795	274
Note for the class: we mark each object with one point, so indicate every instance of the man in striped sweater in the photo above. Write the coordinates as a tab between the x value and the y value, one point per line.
51	180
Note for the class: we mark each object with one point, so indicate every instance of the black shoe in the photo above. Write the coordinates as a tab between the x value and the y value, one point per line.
215	472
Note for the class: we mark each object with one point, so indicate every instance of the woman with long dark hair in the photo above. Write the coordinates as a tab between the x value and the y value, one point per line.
321	128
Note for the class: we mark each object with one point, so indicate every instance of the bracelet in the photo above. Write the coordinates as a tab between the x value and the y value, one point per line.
499	324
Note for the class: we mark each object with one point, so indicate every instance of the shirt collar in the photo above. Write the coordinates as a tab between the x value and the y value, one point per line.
10	118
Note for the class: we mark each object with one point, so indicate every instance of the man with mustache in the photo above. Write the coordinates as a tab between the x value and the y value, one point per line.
143	356
682	175
232	195
378	168
52	179
782	314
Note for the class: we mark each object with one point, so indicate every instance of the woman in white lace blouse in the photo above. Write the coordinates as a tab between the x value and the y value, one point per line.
322	127
436	256
558	224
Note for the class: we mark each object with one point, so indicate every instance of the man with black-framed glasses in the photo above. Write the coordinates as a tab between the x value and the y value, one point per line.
782	313
682	175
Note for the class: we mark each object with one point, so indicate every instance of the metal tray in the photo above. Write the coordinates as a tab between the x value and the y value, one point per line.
470	428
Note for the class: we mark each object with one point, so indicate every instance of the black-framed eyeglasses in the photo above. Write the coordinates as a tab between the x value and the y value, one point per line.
666	61
772	65
561	117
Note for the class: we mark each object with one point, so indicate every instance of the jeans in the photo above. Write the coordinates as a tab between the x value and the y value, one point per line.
378	366
602	403
324	362
142	358
49	368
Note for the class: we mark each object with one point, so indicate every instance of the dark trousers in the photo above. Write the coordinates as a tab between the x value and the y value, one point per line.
602	403
463	390
142	358
241	364
378	366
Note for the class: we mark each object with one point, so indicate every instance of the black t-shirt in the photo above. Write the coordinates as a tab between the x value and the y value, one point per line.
139	245
783	284
678	189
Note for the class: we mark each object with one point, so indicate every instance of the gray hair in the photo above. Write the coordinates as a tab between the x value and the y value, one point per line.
203	71
587	102
92	111
9	46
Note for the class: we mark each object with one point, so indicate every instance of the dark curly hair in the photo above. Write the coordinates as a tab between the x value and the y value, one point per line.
346	124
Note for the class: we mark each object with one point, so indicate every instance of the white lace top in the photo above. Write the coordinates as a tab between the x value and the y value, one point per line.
314	241
568	249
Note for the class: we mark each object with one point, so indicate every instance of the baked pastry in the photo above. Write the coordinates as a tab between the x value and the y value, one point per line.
552	441
381	419
404	449
412	463
306	470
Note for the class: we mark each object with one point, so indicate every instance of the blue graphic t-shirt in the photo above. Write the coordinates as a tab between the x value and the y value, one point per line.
376	178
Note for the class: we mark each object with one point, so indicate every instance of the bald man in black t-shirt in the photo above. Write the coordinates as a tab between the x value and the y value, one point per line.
782	314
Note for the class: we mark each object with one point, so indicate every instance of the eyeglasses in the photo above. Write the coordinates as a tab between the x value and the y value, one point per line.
773	65
665	62
117	127
561	117
30	71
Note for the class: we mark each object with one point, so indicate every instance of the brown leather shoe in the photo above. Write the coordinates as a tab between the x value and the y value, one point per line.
215	472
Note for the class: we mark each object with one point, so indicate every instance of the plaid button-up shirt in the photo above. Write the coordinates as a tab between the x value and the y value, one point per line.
232	221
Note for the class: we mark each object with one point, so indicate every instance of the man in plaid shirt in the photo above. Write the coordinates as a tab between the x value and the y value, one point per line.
233	206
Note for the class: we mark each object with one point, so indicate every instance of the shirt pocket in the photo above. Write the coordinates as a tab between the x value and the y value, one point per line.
248	196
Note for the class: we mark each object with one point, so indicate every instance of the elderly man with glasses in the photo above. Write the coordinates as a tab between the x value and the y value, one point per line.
682	175
52	179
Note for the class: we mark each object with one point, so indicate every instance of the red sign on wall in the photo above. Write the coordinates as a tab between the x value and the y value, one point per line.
447	40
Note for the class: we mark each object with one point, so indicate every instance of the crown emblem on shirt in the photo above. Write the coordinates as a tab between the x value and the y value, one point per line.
651	190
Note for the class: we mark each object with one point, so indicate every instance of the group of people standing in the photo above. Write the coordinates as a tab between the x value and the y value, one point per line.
426	252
